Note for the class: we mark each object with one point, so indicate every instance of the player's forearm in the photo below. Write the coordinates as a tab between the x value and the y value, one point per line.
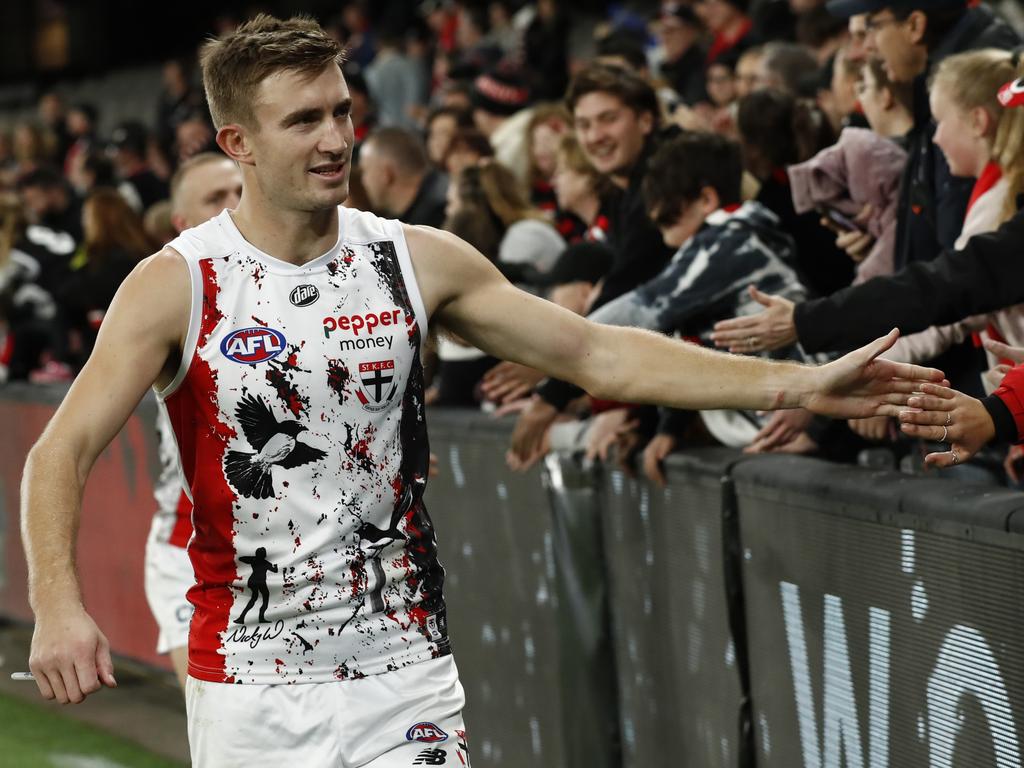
51	493
637	366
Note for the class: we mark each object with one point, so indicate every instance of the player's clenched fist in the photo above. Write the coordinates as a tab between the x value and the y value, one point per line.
70	656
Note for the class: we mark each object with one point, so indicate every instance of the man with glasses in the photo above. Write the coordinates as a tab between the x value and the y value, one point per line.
910	37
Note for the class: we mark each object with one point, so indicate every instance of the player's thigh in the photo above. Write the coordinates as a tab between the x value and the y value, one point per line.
254	725
429	743
408	717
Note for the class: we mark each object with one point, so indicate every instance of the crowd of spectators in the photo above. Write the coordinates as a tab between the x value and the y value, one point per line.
667	166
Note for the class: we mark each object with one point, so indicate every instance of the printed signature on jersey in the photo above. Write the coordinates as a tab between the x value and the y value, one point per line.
257	635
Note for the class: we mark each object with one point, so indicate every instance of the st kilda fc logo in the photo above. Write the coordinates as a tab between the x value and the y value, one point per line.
304	295
376	384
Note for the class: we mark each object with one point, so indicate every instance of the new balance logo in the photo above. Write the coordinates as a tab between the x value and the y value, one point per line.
431	757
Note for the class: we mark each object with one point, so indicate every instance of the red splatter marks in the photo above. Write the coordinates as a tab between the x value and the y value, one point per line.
258	321
419	615
338	377
286	391
358	578
298	543
293	360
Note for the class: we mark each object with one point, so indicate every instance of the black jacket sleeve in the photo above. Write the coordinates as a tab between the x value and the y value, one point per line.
986	275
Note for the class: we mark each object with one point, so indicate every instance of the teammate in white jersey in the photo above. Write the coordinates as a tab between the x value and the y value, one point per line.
202	187
284	338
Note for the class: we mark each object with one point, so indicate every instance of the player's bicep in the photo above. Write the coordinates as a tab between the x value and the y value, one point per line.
470	298
511	324
141	331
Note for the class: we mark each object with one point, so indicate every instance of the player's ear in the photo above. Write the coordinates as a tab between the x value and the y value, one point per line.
234	141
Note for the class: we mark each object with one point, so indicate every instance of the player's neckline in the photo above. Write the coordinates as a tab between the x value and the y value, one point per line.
277	265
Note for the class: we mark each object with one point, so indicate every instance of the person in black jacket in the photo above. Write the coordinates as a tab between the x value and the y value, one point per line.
399	180
986	275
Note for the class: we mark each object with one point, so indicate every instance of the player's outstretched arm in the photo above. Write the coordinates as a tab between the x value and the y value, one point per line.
469	297
137	346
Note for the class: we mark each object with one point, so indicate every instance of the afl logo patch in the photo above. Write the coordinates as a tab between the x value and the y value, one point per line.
252	345
304	295
428	733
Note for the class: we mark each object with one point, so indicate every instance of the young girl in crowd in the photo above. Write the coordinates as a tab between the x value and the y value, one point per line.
979	139
983	140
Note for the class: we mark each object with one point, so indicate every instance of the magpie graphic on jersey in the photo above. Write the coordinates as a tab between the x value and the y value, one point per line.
379	539
276	443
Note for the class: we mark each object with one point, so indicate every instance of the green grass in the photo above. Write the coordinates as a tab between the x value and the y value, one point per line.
32	737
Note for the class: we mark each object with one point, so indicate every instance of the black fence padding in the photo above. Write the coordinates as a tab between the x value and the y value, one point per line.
590	722
678	684
880	637
494	539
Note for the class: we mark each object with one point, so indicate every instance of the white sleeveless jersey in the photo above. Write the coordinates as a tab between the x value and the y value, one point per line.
172	520
299	416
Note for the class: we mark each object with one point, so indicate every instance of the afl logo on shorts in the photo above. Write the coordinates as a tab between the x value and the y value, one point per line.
428	733
304	295
253	345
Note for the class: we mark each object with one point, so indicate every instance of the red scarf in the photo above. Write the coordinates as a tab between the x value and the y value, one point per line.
987	179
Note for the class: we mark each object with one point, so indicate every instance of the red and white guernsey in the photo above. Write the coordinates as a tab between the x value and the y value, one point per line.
299	416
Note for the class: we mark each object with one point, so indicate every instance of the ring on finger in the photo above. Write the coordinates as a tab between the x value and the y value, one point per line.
956	459
945	434
949	418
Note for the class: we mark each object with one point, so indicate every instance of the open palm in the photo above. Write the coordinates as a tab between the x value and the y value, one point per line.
860	384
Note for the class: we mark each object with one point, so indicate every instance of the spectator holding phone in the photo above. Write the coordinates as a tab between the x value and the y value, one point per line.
861	170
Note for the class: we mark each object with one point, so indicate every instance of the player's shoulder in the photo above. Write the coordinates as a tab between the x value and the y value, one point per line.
159	280
430	243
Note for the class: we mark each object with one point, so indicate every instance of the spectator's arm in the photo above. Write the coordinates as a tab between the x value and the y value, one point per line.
986	275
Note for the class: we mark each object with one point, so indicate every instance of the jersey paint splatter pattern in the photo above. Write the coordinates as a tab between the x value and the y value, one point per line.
299	419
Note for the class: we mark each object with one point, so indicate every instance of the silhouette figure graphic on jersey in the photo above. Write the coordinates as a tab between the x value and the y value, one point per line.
276	443
257	582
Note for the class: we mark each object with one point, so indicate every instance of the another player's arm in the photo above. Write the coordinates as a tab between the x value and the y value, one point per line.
137	346
467	295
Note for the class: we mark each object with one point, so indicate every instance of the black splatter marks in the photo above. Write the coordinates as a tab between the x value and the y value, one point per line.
358	451
338	378
306	645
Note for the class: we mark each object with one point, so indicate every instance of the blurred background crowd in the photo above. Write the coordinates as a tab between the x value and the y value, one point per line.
666	165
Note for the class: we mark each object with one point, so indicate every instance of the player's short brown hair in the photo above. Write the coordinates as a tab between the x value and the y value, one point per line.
235	65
